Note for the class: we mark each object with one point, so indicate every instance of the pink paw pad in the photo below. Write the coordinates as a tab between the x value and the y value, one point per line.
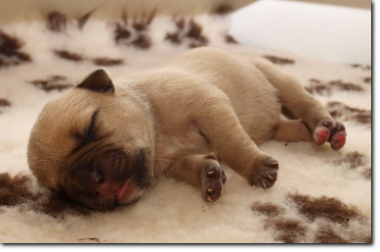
321	135
339	138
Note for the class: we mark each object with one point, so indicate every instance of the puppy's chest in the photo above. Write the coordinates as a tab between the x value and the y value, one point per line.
178	142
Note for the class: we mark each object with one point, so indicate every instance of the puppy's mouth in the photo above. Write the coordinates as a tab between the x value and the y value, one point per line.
125	191
120	193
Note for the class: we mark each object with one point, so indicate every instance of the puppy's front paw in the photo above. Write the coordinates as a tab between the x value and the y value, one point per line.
326	132
213	179
265	174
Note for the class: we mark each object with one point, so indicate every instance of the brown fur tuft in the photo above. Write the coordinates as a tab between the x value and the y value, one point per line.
267	209
180	23
368	80
354	159
10	51
176	37
55	82
4	103
14	191
195	33
341	111
326	234
173	37
324	207
56	21
278	60
290	230
230	39
58	205
367	67
367	173
143	41
68	55
316	86
122	35
107	61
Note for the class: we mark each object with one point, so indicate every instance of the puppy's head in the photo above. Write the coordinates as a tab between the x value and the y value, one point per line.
94	144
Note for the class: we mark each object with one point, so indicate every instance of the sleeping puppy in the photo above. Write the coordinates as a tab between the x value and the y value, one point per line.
103	142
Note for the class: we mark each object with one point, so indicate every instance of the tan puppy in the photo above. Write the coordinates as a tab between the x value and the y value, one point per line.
102	143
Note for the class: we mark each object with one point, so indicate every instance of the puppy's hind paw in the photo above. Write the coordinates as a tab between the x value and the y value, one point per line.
322	132
338	136
266	175
327	132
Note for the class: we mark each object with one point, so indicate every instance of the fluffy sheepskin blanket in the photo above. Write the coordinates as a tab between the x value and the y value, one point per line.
321	196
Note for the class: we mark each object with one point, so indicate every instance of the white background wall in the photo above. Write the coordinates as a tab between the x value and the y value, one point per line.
336	34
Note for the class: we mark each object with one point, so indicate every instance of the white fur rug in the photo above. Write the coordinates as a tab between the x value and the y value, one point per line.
321	196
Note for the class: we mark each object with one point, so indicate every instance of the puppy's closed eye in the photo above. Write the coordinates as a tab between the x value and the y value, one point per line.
88	135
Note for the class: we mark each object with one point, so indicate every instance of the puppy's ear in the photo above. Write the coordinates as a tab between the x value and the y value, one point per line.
98	81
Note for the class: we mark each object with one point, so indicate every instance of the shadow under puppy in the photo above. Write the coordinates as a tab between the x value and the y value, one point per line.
102	142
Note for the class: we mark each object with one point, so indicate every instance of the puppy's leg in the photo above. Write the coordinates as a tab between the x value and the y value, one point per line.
219	124
292	131
295	97
202	171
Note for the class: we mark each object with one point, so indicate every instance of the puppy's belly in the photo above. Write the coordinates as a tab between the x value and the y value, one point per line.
177	144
